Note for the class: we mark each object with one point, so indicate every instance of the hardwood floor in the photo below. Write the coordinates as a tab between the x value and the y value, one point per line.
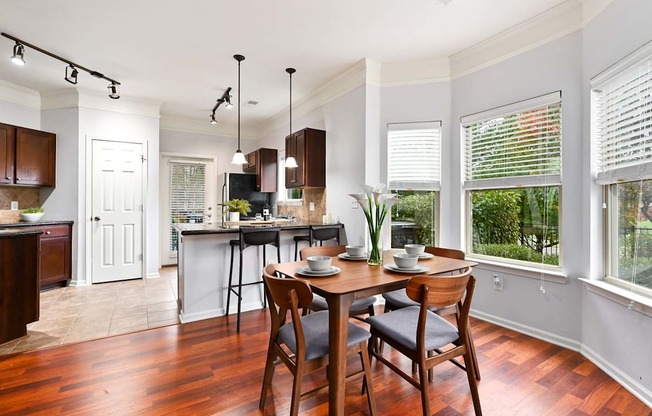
205	368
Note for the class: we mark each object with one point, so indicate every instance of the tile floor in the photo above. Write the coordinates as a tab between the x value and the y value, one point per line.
72	314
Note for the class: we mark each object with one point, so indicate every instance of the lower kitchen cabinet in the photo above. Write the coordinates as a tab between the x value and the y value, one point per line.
55	254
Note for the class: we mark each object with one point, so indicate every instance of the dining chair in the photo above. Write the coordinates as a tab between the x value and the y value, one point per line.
398	299
420	334
302	343
318	233
359	306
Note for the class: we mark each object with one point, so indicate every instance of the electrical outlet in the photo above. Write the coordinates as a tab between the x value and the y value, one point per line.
312	206
14	205
498	283
354	205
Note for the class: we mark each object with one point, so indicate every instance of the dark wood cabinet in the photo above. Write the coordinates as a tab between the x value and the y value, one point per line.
55	254
19	291
263	163
308	147
27	157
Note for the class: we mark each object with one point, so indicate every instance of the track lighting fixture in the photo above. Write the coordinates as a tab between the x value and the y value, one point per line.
238	157
18	56
71	74
72	70
290	161
225	98
114	91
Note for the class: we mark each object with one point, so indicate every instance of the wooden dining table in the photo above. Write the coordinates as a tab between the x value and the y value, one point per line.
356	280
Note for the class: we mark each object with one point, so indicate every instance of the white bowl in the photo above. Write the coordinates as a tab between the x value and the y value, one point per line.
32	217
405	260
319	263
414	248
355	251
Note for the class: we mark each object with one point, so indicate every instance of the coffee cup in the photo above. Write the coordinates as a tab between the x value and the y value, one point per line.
405	260
414	248
319	263
355	251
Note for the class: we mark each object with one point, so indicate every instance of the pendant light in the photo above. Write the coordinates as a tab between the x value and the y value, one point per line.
290	161
238	157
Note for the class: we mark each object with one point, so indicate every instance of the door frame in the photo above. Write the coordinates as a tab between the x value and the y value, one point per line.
164	191
89	201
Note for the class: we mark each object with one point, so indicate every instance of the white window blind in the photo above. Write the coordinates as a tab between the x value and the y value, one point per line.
622	120
187	195
514	145
414	156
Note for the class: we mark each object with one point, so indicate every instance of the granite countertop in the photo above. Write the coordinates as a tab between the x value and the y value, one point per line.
35	224
15	232
216	228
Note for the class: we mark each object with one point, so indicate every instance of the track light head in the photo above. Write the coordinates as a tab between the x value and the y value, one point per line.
19	54
71	74
228	104
213	121
114	91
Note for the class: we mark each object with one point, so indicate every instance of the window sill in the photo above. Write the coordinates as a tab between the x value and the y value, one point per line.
619	295
518	270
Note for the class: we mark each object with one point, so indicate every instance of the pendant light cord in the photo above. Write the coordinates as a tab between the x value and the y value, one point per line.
239	58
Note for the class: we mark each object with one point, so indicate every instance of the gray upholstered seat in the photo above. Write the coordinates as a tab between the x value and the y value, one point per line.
315	331
398	299
401	326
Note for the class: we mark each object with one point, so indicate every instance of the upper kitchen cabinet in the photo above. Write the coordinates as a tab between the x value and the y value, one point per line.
308	147
27	157
263	163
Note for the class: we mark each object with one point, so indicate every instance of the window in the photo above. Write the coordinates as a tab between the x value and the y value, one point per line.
621	110
187	196
413	172
512	178
292	196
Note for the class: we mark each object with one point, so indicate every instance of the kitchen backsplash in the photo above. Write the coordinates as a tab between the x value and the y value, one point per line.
302	212
26	197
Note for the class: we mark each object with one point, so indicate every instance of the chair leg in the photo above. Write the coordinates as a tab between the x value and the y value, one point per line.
296	388
228	293
381	345
264	265
296	250
473	383
423	379
239	294
474	356
367	379
269	374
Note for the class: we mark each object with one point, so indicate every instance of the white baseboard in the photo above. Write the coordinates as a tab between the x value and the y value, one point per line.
625	380
184	318
571	344
153	275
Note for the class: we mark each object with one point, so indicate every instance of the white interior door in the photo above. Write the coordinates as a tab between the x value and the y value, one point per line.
117	211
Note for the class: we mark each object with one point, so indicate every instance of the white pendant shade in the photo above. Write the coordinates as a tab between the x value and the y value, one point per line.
291	162
239	158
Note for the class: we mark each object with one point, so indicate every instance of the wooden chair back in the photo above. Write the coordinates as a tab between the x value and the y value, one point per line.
446	252
321	251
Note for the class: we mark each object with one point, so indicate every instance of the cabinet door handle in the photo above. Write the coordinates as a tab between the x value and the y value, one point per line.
48	232
8	177
18	179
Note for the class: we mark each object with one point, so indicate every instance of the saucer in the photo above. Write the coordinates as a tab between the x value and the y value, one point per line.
424	256
412	270
345	256
307	271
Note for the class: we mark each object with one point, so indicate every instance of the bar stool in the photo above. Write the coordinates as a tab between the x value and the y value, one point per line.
319	233
251	236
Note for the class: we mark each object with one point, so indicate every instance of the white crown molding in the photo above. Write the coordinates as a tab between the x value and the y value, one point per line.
592	8
82	98
340	85
16	94
186	125
415	72
557	22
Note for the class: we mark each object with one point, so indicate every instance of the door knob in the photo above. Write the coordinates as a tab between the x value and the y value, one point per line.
96	218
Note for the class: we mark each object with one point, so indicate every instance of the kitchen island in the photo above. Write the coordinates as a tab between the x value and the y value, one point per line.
203	261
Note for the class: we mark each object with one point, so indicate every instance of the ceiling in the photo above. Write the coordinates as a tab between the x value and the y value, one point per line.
180	54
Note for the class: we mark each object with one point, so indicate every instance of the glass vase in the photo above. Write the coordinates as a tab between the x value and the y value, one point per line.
375	254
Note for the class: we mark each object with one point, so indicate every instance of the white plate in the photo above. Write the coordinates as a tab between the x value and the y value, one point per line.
412	270
345	256
307	271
